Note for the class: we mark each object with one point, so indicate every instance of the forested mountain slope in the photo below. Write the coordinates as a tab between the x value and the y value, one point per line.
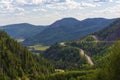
67	29
109	69
106	57
16	62
110	33
65	57
22	30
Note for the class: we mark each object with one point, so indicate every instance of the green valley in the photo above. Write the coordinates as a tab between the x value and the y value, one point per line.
59	39
93	57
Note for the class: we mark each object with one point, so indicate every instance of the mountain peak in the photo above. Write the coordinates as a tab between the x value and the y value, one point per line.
21	24
69	18
65	22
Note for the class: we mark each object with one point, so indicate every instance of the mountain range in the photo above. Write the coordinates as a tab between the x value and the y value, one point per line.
94	45
23	30
62	30
68	29
17	63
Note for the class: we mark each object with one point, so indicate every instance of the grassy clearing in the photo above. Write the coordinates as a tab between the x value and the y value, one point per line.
39	47
19	40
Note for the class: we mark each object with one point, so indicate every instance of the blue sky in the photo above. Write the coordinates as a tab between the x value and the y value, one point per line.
45	12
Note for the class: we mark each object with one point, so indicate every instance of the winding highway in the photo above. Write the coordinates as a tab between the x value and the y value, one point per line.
82	53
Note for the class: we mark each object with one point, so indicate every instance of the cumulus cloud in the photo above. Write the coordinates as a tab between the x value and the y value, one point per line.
113	9
28	2
103	0
117	1
54	9
70	5
81	4
20	6
110	12
37	2
7	7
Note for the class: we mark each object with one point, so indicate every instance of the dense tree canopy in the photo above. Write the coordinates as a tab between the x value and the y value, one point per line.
17	62
65	57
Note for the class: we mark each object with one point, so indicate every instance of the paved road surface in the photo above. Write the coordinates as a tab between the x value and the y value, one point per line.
82	53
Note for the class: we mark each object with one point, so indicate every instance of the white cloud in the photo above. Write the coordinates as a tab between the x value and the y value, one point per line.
58	8
103	0
19	14
28	2
6	7
39	9
113	9
70	5
37	2
110	12
11	5
117	1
